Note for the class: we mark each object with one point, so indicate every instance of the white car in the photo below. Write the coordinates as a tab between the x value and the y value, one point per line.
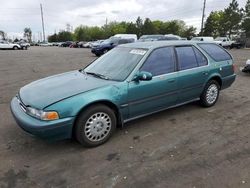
7	45
224	41
203	38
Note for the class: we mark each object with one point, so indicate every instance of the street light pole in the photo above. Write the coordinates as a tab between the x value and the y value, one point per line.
42	22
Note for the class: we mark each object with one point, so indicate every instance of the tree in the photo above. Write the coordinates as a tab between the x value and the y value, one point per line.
131	28
148	27
139	25
213	25
246	19
53	38
232	18
3	35
27	33
65	36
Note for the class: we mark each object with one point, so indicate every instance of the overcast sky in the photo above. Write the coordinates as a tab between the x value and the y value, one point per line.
15	15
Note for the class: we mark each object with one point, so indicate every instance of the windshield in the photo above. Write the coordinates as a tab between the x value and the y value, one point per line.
117	64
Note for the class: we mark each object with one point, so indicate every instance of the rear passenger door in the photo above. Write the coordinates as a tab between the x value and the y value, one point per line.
192	72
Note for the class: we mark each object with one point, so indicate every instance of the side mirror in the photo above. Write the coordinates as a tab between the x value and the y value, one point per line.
143	76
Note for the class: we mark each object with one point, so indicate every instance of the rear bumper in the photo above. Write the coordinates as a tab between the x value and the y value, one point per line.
51	130
228	81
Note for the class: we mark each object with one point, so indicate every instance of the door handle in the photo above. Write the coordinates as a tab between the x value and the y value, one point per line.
171	80
205	73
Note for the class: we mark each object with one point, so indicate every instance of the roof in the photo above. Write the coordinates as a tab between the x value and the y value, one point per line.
157	44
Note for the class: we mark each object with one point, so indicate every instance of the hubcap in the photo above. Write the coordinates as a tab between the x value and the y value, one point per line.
212	93
97	126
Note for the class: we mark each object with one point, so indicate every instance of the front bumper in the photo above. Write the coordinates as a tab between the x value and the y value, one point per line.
96	51
52	130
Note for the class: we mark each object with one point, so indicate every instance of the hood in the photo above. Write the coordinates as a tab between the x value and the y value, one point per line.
44	92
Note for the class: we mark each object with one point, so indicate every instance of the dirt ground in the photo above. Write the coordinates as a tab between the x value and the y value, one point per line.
188	146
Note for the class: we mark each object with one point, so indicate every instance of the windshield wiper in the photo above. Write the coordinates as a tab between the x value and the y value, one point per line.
98	75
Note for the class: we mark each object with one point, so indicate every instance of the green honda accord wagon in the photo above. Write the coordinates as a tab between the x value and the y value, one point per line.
128	82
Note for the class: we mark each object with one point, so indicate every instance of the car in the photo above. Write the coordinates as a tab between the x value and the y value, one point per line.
66	44
45	44
129	82
146	38
126	36
7	45
24	45
202	38
109	44
96	43
226	42
87	45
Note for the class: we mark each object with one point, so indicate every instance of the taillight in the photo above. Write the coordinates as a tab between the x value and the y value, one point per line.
234	67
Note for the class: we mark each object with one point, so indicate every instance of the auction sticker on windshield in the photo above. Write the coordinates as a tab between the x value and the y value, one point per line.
138	51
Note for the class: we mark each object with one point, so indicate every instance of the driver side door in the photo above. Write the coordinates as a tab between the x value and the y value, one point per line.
160	92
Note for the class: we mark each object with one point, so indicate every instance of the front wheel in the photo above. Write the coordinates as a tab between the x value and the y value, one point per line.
95	125
15	48
210	94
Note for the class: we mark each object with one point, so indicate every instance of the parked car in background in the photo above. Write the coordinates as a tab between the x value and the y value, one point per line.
87	45
126	36
96	43
129	82
74	45
7	45
146	38
66	44
172	37
24	45
45	44
226	42
109	44
205	39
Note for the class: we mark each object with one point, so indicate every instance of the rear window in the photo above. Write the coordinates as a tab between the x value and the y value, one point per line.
215	52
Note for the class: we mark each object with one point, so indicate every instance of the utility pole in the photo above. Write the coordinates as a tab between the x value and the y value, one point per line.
203	16
42	22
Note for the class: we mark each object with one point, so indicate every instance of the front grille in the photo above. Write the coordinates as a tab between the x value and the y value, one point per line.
22	105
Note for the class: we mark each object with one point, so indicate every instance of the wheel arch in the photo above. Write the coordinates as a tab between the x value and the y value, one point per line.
217	79
107	103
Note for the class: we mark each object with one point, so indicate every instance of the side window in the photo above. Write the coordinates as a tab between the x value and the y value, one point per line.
201	59
122	42
160	61
216	52
186	57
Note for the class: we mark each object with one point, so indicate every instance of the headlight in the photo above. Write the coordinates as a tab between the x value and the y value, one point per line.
42	115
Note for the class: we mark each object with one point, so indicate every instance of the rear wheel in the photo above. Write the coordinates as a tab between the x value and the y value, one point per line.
210	94
95	125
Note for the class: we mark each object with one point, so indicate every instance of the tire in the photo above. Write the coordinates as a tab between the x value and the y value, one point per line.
15	48
210	94
105	51
100	130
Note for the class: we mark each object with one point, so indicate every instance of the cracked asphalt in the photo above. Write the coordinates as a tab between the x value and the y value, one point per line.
188	146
